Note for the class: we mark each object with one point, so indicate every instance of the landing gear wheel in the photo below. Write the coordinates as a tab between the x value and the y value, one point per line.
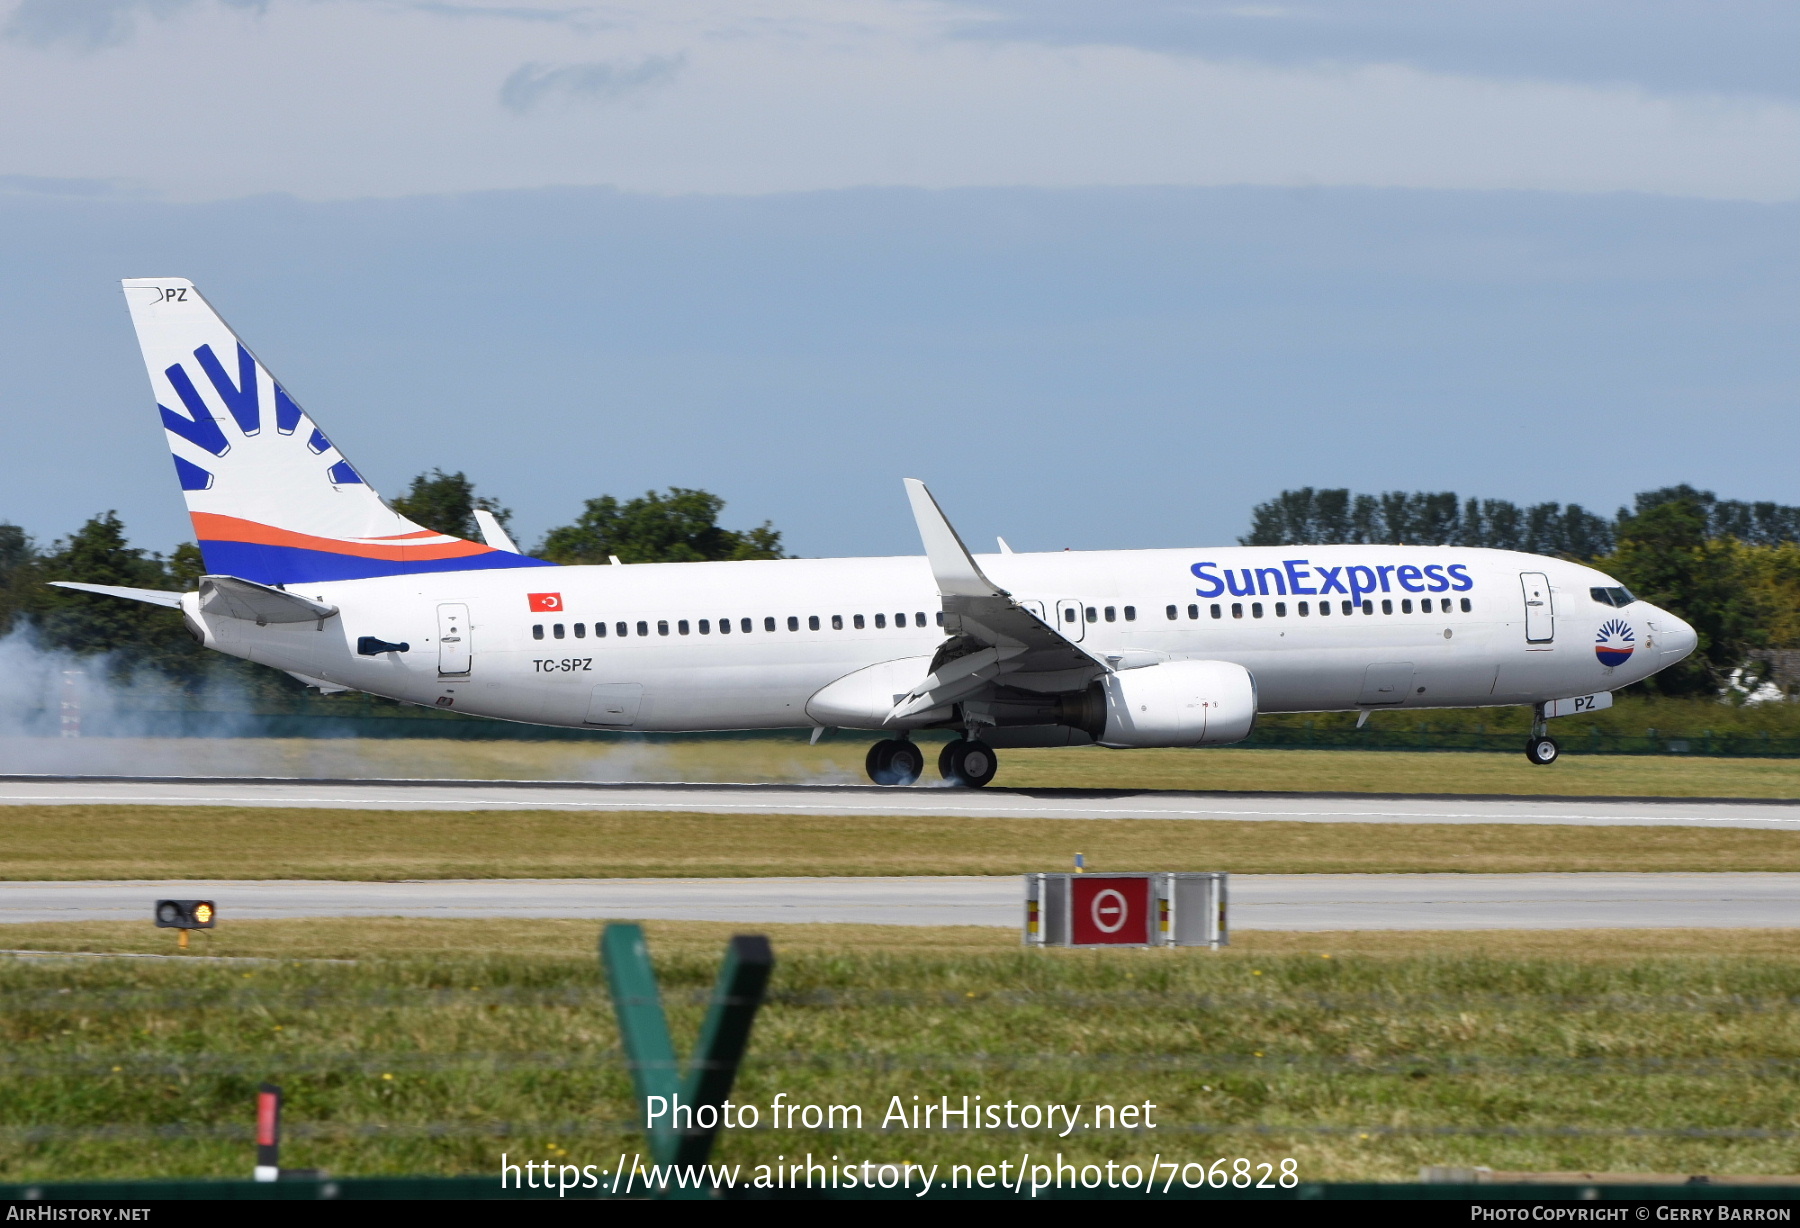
1542	751
894	762
971	764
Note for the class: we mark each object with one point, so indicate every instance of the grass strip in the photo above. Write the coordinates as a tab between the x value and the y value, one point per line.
1361	1056
134	842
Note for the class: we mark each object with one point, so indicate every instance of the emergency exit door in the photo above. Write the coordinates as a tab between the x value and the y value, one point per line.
453	640
1069	620
1540	617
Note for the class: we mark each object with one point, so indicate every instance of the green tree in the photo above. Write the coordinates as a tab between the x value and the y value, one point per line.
18	576
446	503
86	623
1665	556
679	527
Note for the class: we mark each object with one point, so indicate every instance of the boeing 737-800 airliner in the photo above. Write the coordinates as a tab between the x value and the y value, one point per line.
310	572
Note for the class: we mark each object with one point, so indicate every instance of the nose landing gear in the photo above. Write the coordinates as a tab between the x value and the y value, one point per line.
1540	747
971	764
894	762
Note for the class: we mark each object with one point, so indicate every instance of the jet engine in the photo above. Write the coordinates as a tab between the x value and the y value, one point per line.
1179	703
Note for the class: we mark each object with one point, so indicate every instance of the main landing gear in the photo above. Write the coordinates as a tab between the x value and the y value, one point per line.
894	762
897	761
971	764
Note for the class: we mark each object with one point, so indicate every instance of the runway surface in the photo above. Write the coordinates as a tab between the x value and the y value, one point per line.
1258	901
874	800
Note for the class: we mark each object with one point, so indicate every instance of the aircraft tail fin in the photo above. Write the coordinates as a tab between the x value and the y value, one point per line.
272	499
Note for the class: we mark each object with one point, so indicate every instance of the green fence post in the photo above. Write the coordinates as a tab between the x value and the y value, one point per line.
650	1053
724	1036
643	1028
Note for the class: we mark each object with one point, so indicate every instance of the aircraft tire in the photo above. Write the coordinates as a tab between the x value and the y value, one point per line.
1542	751
894	762
969	764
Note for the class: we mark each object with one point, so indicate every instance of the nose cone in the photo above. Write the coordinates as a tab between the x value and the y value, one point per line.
1675	639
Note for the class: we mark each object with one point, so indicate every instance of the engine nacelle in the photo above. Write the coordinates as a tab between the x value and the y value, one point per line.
1179	703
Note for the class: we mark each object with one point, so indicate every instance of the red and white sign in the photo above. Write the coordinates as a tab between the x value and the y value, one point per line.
545	603
1109	909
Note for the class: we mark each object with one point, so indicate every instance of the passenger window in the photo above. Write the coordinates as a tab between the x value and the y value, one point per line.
621	628
1112	614
881	621
1466	607
682	626
1237	609
1171	611
837	622
1215	612
793	623
768	624
537	631
557	630
858	622
1256	609
812	622
1348	608
662	626
1406	605
599	631
1368	606
581	631
1093	615
1281	609
1130	613
706	626
1194	611
725	626
1324	609
1387	605
1302	609
643	628
1068	616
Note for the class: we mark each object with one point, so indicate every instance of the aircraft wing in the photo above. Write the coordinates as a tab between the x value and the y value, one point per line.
992	637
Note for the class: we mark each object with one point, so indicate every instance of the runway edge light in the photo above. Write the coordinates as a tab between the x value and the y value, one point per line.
185	915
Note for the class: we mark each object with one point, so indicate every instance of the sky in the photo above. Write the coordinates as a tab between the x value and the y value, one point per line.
1104	275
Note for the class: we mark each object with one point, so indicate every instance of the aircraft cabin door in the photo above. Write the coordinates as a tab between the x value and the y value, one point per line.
453	640
1069	620
1540	616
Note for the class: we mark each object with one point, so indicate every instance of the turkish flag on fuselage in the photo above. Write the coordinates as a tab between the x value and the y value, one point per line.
548	603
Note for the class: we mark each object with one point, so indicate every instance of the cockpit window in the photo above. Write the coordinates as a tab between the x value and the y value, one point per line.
1618	597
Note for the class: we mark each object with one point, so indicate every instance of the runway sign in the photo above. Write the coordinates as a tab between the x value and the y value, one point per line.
1125	910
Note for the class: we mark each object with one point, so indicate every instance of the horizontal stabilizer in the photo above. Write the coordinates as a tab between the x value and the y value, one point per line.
151	596
258	603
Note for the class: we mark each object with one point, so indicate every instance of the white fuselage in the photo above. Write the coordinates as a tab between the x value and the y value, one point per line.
1416	646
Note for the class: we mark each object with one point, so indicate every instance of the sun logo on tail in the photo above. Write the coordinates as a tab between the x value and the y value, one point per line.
1614	643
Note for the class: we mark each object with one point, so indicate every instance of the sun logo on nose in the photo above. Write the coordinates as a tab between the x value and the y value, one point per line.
1615	641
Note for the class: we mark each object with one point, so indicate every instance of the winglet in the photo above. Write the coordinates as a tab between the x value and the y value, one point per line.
951	564
493	533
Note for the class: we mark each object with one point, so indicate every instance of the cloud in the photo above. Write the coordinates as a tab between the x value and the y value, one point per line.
39	185
91	24
1708	46
532	85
